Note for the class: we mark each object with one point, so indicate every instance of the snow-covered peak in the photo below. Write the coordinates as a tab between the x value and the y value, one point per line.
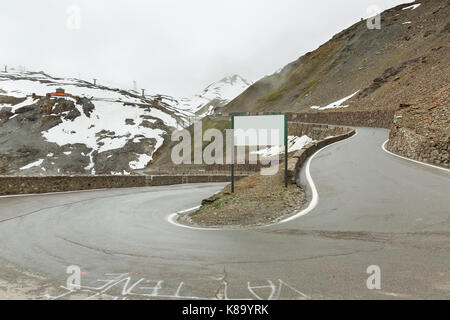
216	95
226	89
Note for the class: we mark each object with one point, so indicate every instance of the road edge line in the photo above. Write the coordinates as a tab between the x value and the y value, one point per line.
383	146
172	219
315	193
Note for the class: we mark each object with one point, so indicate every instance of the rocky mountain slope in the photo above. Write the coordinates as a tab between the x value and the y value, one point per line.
403	67
406	61
91	130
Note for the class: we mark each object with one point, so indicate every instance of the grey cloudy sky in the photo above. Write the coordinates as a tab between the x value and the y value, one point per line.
175	47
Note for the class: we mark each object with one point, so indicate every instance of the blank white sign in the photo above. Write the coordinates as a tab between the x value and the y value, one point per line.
259	130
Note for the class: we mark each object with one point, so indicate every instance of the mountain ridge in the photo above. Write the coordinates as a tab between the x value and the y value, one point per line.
86	129
91	128
412	38
215	96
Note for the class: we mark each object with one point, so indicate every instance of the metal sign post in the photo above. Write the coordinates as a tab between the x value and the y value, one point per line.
285	152
232	156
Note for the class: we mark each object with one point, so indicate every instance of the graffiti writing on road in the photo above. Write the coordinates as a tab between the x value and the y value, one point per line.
122	286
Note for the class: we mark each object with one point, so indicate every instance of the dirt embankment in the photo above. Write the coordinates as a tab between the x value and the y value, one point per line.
258	200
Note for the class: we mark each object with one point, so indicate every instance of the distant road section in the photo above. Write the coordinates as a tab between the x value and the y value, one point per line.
373	209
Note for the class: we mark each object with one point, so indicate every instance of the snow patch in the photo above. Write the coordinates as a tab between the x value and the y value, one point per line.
222	91
106	117
336	104
33	164
142	161
412	7
28	101
294	143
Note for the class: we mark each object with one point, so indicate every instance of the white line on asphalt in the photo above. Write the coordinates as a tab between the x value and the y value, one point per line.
312	185
315	195
383	146
187	210
172	218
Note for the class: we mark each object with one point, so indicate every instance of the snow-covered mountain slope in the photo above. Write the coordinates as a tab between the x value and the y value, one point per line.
92	130
215	96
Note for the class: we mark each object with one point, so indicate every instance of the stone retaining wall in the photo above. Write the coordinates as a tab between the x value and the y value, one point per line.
30	185
374	119
198	169
422	133
24	185
314	131
371	118
161	180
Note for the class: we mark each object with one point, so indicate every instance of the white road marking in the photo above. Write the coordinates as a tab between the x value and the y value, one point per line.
172	219
124	286
312	185
187	210
258	297
383	146
315	194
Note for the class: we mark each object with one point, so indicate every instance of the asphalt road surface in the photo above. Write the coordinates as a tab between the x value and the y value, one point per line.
373	209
